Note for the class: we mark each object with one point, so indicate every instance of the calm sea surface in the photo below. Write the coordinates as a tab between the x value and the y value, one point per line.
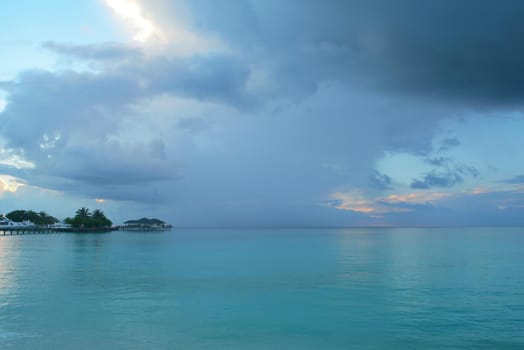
264	289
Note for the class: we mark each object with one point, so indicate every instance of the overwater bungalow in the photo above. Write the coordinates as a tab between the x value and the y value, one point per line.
146	224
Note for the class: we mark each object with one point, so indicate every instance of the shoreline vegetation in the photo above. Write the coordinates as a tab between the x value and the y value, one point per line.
83	221
30	216
86	221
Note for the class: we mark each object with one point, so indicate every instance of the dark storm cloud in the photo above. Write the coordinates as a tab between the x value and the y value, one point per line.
303	99
455	49
461	50
219	78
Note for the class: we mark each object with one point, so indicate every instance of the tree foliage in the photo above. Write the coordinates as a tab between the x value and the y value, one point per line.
82	212
41	218
85	219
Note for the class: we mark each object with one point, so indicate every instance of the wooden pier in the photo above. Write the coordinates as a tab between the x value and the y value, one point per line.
13	231
145	228
30	230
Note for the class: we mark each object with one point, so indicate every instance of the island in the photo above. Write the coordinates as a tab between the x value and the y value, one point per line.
86	221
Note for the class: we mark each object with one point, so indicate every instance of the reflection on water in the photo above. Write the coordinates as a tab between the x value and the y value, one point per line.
9	252
88	266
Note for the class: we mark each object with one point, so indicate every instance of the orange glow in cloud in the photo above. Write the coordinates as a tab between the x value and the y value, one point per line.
479	190
356	201
9	184
416	197
100	200
353	201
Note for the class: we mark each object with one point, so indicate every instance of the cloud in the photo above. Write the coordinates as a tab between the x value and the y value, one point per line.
438	161
449	143
230	110
437	180
467	170
108	122
416	197
381	181
103	51
14	159
446	174
131	12
519	179
353	201
172	36
9	184
359	201
97	102
401	46
477	207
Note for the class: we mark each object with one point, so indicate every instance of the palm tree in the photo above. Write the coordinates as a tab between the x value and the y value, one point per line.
82	212
99	218
46	219
98	214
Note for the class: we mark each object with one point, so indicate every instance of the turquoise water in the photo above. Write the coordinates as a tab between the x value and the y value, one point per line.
264	289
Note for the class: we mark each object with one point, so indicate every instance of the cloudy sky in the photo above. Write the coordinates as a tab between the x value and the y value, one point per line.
265	113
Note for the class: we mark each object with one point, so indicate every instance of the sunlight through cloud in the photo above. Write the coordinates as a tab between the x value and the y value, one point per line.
173	37
132	13
9	184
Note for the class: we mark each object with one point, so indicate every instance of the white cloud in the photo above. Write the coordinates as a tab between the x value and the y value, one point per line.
49	142
128	10
14	159
172	37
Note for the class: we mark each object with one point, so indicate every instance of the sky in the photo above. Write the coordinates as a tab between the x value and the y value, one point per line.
241	113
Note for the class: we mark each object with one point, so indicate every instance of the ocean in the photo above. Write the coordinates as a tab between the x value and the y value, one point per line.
376	288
